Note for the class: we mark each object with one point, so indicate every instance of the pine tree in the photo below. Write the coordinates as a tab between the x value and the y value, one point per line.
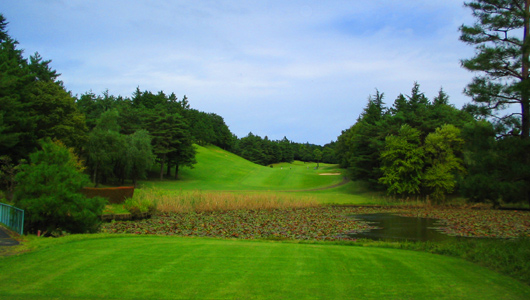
501	37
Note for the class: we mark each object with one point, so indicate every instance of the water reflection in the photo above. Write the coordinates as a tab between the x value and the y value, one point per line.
392	227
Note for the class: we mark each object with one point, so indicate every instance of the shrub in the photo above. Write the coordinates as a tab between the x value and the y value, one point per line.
48	191
140	207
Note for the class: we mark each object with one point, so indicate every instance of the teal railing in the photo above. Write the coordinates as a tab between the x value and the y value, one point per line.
12	217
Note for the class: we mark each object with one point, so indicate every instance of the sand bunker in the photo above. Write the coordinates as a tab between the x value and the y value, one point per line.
329	174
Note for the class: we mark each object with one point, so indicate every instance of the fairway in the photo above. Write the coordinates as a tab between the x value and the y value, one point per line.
130	267
217	169
220	170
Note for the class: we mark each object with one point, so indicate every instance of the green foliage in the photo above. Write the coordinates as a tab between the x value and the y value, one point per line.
140	207
442	151
362	144
413	148
501	37
498	169
48	191
105	146
8	171
402	162
171	140
317	155
139	155
33	104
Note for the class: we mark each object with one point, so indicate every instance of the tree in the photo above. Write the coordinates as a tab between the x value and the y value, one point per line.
48	190
139	154
366	141
105	146
56	114
443	149
501	36
171	139
8	171
33	104
403	162
317	155
17	139
496	168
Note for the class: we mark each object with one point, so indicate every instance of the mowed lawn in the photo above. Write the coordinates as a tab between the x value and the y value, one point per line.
130	267
217	169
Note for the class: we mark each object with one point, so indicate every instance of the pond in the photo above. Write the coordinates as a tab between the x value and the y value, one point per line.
393	227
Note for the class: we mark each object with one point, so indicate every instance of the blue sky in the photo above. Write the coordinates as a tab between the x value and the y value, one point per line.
301	69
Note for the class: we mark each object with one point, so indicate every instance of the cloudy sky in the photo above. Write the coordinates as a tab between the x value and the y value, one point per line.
301	69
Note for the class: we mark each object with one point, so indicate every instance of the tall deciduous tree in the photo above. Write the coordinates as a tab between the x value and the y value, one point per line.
501	36
139	154
443	149
403	162
105	145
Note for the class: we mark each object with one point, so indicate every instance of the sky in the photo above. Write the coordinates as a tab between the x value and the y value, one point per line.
299	69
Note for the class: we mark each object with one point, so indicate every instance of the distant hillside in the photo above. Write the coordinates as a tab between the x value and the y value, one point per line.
217	169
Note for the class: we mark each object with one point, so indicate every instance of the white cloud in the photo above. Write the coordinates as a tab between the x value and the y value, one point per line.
303	69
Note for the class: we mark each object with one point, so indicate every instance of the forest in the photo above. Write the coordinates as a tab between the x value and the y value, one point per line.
118	138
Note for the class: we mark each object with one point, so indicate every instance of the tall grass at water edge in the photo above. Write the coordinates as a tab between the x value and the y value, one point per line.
167	201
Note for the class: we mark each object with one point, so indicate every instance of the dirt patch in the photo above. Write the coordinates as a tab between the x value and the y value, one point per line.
330	174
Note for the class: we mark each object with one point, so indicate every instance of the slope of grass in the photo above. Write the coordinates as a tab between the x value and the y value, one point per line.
129	267
217	169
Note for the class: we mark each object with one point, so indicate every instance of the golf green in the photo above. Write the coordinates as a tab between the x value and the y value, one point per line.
131	267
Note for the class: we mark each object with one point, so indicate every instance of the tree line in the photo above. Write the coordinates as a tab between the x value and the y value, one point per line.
265	152
428	148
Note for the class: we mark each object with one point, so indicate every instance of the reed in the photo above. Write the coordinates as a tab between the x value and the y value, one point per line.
200	201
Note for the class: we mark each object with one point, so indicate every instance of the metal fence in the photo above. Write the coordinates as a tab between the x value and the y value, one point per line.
12	217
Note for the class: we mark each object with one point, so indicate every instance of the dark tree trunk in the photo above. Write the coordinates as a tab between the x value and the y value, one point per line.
162	168
176	171
95	176
525	97
168	167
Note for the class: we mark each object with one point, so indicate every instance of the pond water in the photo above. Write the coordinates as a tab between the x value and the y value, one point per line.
392	227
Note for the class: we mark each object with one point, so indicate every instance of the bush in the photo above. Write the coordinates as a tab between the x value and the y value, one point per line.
48	191
140	207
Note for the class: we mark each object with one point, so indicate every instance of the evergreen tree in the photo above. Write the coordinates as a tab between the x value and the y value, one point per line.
364	142
171	139
48	191
17	138
33	104
501	36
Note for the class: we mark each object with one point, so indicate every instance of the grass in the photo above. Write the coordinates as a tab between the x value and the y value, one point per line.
170	267
219	170
171	201
114	209
127	267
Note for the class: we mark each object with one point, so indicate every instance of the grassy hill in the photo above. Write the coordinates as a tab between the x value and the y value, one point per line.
220	170
217	169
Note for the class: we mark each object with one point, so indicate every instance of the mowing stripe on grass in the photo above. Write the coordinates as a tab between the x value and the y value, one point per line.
183	268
